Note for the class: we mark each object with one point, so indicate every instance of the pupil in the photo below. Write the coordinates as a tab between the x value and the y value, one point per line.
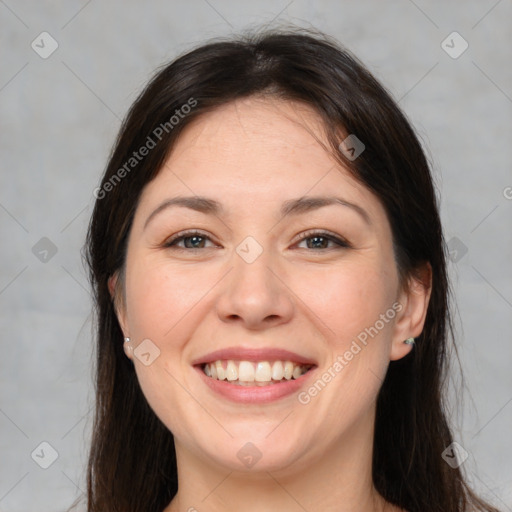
194	242
318	242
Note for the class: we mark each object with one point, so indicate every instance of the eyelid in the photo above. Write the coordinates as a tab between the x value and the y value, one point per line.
178	237
329	235
333	237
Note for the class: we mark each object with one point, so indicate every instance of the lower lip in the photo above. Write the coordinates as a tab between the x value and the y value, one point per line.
254	394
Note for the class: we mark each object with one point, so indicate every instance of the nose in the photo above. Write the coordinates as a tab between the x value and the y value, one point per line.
255	296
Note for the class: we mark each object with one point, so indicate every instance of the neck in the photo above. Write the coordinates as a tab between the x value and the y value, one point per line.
338	480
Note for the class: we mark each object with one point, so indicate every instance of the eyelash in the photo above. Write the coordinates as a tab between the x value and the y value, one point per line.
340	242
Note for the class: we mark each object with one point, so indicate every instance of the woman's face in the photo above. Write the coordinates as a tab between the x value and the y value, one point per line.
274	261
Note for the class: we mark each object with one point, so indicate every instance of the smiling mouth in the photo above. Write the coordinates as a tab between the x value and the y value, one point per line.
254	373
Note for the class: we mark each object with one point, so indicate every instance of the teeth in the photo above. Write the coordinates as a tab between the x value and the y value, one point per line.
297	372
261	373
221	373
231	371
277	370
288	370
246	371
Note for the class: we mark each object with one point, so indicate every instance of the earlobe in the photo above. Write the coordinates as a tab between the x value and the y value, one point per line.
128	349
415	300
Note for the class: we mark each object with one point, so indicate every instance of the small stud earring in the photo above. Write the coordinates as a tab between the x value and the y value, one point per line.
409	341
128	349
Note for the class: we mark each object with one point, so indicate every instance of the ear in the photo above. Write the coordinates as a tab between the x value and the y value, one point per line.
411	319
112	283
114	288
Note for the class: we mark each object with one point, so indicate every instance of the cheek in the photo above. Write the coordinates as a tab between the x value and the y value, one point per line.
348	299
160	296
355	304
165	305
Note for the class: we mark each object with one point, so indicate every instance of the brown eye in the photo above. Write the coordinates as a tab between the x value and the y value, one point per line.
317	242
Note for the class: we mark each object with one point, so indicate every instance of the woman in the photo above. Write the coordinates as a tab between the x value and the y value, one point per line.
270	279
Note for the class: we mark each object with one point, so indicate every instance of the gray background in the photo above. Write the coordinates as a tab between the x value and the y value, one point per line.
59	117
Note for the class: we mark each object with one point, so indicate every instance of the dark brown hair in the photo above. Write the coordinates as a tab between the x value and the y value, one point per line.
132	466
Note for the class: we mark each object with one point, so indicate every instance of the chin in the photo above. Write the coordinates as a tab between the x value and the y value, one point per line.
252	453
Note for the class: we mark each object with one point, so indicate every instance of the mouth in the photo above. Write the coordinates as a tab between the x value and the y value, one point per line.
248	375
254	373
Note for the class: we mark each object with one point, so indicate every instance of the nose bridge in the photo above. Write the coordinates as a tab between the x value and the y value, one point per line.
254	295
252	270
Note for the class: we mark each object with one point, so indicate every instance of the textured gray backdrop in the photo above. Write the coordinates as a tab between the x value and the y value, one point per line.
60	113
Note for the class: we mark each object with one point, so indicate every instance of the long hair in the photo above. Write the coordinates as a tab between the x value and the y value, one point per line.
132	464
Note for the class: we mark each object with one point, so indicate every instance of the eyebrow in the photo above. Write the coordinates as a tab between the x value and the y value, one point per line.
301	205
308	203
197	203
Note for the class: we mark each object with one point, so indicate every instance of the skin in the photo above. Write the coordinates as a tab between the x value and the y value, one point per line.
251	156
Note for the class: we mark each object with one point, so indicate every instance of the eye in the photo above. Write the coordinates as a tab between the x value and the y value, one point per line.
188	240
322	240
313	239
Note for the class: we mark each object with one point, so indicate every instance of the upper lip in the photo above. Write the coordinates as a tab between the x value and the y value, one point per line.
253	354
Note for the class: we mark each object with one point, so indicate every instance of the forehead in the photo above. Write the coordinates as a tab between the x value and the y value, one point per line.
253	133
252	152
